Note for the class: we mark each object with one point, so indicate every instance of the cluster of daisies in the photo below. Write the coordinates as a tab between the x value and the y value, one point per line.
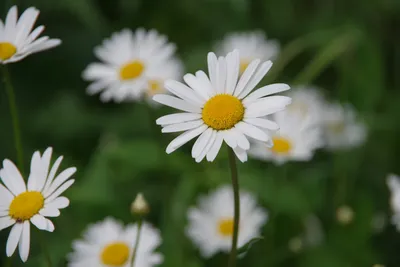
224	105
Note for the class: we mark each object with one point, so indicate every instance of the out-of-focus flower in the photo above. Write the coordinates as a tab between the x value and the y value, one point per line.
393	182
295	140
140	206
251	45
22	204
307	103
344	215
211	223
17	40
221	108
341	128
109	243
131	62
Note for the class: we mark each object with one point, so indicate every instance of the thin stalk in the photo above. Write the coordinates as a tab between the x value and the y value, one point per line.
236	199
14	117
136	246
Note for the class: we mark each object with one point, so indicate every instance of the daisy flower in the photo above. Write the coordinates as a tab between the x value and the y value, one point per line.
22	204
341	128
131	62
393	182
295	140
221	107
110	243
211	223
17	40
251	45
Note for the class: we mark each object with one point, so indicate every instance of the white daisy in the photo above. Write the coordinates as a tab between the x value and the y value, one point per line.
296	140
109	243
221	108
130	61
21	204
251	45
341	127
307	102
211	223
393	182
17	40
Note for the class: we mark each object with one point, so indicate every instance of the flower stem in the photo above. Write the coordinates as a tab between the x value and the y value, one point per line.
236	199
136	246
14	116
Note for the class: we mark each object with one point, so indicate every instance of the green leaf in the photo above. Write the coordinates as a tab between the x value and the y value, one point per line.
241	253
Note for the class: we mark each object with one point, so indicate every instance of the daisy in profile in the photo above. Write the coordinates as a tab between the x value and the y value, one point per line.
221	107
211	223
308	103
341	127
17	40
110	243
251	45
22	204
296	140
393	182
130	64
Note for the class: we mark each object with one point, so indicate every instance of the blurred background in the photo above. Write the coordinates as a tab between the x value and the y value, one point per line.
349	48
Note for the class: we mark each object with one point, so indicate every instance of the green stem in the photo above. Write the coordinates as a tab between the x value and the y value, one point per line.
236	199
14	117
136	246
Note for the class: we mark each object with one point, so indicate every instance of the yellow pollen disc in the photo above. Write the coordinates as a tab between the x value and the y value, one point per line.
26	205
225	227
7	50
115	254
281	145
131	70
155	86
243	65
222	112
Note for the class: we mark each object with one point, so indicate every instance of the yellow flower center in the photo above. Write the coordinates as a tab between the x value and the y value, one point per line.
7	50
337	127
26	205
222	112
243	65
154	87
281	145
131	70
115	254
225	227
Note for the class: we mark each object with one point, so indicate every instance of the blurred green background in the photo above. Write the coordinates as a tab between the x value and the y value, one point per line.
350	48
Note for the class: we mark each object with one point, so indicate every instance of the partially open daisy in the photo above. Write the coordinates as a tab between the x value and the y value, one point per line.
393	182
110	244
211	223
221	108
296	140
251	45
22	204
341	127
17	40
130	63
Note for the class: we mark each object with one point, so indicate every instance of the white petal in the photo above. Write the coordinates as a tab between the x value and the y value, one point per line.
60	190
180	127
184	138
35	172
252	131
212	154
97	71
201	142
233	67
11	23
36	32
184	92
177	103
39	221
177	118
241	154
212	69
230	138
13	238
264	91
12	178
25	24
60	179
6	222
263	123
242	140
24	242
221	75
45	163
257	77
50	225
52	174
5	196
207	147
194	83
49	212
246	76
58	203
266	106
205	83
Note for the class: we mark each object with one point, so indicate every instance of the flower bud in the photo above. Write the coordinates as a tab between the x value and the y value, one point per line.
139	206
